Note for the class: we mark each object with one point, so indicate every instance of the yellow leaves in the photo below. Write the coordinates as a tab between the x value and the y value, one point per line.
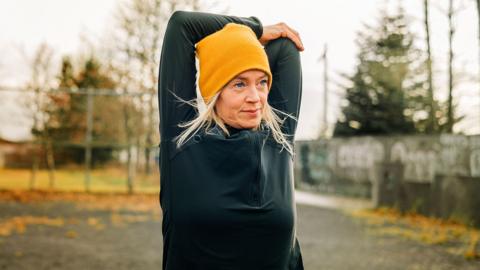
429	230
379	216
472	251
123	219
20	223
116	219
426	236
145	208
73	221
95	223
96	201
71	234
92	221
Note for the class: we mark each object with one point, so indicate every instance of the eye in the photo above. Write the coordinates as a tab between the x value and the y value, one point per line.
263	83
239	84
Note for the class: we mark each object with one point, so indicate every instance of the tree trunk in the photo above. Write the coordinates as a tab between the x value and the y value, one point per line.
47	143
50	162
138	154
35	157
149	141
450	67
146	152
432	122
478	16
130	170
130	167
35	161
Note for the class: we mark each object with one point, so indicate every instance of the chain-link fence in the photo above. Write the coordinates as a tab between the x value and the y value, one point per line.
85	130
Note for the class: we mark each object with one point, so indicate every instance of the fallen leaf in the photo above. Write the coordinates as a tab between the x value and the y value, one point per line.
71	234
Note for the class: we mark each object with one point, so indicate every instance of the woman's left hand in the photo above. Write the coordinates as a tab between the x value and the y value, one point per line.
271	32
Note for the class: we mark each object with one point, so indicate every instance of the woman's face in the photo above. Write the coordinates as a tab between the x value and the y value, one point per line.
242	100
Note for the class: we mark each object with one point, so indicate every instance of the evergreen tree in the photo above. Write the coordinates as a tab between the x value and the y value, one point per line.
60	124
68	118
386	93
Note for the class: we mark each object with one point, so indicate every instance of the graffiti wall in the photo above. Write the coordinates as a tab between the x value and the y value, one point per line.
423	157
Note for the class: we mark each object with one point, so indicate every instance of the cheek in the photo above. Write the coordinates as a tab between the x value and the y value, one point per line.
264	101
233	102
263	97
228	107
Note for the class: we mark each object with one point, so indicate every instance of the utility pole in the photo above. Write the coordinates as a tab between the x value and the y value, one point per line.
323	131
451	32
478	16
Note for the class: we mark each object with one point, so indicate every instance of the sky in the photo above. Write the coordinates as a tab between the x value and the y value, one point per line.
62	24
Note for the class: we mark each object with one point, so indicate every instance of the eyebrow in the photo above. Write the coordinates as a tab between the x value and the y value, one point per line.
246	78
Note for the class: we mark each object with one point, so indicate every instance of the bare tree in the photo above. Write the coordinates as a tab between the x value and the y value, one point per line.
454	7
137	38
40	81
431	126
478	16
134	58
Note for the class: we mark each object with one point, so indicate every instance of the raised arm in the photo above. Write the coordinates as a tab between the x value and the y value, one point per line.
286	92
177	71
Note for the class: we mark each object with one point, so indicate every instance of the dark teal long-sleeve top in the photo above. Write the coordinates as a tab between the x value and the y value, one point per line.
227	201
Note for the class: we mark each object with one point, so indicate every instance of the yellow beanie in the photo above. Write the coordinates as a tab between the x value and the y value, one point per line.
227	53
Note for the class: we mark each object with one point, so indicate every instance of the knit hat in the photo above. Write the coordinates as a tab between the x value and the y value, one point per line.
227	53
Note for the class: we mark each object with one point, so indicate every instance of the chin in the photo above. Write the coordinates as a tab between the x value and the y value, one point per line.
251	125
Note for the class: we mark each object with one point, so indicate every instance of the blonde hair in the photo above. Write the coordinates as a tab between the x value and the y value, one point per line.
208	117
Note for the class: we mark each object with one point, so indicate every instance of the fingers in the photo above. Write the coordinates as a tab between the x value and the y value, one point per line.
293	30
290	33
281	30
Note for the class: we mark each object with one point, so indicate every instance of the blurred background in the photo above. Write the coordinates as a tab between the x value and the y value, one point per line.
389	128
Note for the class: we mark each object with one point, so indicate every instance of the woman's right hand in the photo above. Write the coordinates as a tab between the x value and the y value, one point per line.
271	32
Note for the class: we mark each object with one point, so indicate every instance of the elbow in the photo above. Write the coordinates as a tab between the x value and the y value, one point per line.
289	47
285	48
178	18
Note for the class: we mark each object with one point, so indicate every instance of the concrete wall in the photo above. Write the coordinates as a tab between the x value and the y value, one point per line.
422	157
437	175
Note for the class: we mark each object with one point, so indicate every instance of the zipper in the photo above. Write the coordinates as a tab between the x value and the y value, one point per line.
256	183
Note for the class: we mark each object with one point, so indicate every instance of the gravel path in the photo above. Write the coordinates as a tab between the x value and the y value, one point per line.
332	240
101	239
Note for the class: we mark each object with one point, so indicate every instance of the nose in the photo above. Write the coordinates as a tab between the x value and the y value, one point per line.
252	94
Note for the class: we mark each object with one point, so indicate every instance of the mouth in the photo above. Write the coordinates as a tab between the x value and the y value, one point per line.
252	112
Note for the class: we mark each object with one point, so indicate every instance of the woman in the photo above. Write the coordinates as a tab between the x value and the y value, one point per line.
226	172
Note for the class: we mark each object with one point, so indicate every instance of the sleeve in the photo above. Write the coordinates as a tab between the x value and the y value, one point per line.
177	71
286	91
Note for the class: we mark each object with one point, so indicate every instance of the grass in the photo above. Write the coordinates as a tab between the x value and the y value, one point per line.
460	238
108	188
112	179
